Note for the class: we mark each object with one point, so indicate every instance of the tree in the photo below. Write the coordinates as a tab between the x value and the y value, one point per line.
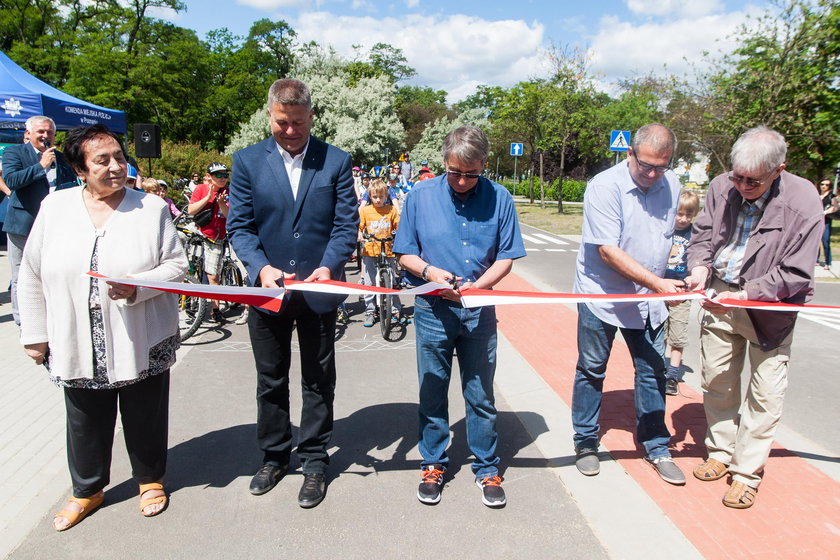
784	74
381	60
417	106
549	115
359	119
485	97
431	140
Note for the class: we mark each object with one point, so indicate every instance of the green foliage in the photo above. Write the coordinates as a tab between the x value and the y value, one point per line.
417	107
180	160
485	97
784	74
430	143
572	190
359	119
210	93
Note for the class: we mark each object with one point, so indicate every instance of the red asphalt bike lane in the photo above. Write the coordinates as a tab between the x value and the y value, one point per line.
797	509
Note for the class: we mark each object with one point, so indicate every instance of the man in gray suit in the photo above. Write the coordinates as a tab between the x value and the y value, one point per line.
31	171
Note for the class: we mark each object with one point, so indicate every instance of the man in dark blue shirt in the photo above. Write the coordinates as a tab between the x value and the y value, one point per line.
458	228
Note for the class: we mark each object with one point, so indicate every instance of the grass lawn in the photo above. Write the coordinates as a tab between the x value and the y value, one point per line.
548	219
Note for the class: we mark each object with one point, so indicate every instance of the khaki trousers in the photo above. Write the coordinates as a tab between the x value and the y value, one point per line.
741	426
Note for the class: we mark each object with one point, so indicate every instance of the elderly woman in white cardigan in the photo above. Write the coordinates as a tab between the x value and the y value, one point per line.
106	344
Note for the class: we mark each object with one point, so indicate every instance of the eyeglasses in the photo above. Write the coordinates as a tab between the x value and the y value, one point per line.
825	184
647	168
749	181
221	175
458	175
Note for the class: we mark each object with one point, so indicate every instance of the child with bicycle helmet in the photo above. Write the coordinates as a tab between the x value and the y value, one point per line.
378	220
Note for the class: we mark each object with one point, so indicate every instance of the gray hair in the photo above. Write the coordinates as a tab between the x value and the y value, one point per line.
759	149
467	143
30	122
289	91
657	136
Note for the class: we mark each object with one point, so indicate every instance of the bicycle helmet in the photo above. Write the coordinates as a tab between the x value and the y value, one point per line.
216	166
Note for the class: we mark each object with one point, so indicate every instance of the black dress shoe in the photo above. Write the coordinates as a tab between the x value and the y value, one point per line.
313	490
267	478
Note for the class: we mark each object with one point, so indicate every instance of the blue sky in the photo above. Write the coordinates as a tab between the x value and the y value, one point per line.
456	46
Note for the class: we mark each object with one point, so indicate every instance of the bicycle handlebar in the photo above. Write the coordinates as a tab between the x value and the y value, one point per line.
366	235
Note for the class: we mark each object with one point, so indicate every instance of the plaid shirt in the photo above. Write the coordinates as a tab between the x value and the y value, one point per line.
728	261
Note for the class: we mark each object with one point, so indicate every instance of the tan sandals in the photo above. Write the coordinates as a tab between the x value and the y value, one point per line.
739	496
162	499
87	505
710	469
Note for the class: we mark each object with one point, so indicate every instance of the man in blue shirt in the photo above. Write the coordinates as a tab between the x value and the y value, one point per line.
460	229
628	225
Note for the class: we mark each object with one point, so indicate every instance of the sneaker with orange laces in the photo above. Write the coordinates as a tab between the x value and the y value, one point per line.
492	494
432	481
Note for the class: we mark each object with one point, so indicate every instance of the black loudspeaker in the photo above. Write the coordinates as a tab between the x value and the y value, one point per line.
147	140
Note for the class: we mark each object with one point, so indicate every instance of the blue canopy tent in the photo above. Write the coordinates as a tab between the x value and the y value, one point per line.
22	95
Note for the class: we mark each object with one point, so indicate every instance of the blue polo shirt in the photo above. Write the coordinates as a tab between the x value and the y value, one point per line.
465	236
641	223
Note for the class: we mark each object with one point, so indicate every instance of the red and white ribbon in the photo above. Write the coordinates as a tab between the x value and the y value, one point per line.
271	298
266	298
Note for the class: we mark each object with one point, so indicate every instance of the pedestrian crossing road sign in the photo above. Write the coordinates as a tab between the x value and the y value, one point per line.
619	140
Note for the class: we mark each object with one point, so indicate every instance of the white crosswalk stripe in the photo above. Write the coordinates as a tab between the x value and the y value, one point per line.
555	240
533	239
830	319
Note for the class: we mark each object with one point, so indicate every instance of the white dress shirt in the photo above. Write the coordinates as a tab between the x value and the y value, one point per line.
294	166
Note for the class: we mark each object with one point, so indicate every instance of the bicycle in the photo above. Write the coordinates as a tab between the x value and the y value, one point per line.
191	309
231	274
385	278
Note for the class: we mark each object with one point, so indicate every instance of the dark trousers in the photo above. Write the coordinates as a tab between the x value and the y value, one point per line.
91	418
271	339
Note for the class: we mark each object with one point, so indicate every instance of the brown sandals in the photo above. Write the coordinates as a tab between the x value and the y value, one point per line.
162	499
87	505
739	496
710	469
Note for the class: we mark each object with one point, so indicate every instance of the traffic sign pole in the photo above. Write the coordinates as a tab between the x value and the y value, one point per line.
516	150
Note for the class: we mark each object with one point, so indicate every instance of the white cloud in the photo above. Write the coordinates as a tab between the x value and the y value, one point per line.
412	3
679	8
164	13
455	53
621	49
362	5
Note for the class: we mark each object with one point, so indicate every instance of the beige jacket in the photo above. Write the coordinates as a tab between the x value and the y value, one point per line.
138	240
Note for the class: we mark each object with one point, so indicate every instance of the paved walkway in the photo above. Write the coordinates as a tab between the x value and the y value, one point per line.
370	510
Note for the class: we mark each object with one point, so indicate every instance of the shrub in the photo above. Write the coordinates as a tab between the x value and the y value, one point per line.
179	160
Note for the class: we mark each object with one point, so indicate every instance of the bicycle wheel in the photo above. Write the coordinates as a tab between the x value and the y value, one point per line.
191	311
385	314
231	276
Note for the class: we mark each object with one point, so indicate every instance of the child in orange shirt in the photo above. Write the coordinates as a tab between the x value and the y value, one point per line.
378	220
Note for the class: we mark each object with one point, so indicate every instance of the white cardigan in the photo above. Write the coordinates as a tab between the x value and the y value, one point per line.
138	240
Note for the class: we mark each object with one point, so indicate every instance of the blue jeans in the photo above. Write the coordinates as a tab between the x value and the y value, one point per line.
595	339
826	243
443	327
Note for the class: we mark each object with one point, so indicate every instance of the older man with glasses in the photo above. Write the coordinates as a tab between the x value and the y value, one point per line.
459	229
756	239
628	223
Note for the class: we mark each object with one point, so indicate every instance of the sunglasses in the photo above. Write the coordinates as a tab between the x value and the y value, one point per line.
647	168
749	181
220	175
459	175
